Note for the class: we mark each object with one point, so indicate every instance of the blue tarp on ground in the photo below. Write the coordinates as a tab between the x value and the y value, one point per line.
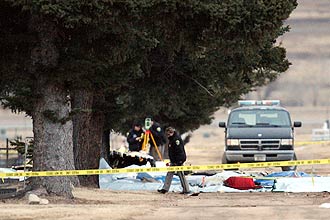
154	180
289	181
271	182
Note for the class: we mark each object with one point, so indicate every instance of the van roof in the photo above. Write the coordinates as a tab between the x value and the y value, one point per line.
258	107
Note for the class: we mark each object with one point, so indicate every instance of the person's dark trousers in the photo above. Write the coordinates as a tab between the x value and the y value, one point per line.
169	178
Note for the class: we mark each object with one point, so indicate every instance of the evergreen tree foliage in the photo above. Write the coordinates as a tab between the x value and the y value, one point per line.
209	54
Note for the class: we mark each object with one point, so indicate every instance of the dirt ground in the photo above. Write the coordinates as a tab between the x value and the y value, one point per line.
101	205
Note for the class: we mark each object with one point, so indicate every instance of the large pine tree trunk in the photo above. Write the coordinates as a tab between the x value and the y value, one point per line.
53	138
52	126
87	138
105	151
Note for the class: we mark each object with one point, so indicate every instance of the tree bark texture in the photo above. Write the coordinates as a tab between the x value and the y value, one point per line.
52	128
105	151
87	134
53	138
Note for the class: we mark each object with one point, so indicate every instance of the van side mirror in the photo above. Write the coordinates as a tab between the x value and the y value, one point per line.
297	124
222	124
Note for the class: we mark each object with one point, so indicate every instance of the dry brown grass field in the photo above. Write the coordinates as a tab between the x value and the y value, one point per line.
307	82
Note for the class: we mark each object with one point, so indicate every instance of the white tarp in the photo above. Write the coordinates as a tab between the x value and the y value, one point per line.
201	183
303	184
198	183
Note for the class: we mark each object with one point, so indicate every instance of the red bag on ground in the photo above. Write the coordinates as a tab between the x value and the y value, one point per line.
238	182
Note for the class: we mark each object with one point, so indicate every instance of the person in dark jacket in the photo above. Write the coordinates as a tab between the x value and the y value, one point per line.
134	137
177	156
160	139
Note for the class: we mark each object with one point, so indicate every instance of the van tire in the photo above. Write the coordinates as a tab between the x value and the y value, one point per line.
225	161
290	168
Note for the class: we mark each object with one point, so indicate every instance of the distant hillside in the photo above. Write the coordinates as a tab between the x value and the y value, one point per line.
307	82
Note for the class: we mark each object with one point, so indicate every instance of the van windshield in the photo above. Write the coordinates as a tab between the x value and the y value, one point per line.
259	118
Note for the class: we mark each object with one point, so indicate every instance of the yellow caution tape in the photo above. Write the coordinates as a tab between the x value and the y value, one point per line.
166	169
9	152
301	143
